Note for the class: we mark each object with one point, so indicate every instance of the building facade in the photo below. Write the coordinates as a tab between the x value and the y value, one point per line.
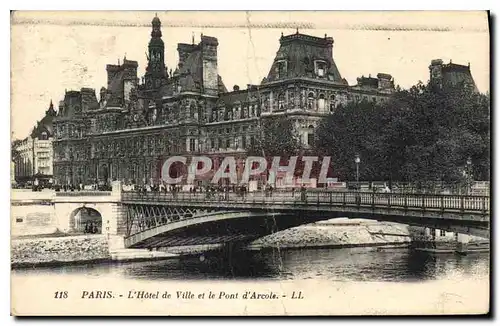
34	159
443	76
136	123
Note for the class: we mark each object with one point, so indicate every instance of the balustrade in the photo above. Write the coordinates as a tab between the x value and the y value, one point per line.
297	197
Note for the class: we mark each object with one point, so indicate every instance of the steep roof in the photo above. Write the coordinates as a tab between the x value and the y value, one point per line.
45	125
189	73
242	96
300	52
455	74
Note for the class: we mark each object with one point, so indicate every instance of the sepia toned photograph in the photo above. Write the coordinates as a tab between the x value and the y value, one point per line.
250	163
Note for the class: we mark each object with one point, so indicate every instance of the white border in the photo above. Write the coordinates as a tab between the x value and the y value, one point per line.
185	5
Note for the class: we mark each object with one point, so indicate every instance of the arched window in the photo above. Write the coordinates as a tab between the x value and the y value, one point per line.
332	103
43	136
281	101
310	101
321	102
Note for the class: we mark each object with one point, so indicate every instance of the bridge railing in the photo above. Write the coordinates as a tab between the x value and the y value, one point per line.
83	193
411	201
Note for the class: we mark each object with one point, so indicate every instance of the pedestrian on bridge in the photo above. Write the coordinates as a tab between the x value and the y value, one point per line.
302	193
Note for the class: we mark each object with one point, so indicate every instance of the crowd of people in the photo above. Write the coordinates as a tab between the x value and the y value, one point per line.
211	191
91	227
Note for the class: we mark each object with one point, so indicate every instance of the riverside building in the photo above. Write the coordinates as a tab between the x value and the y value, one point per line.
128	130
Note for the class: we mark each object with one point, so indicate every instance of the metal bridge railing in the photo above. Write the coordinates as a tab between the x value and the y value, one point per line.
480	204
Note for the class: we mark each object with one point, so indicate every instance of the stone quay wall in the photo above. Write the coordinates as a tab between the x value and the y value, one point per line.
57	250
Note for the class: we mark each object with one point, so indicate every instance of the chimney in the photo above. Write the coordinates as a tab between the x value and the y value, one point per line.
384	81
209	58
184	50
112	70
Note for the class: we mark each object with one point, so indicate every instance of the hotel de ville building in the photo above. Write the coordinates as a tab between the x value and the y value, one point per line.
128	129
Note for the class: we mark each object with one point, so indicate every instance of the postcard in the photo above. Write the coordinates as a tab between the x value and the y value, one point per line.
319	163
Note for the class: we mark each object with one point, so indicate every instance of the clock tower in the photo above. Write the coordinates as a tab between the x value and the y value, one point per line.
156	70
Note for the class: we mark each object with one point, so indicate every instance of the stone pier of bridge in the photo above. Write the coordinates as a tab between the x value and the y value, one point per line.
106	203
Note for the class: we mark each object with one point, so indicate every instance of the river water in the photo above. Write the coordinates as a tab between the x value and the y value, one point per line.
347	264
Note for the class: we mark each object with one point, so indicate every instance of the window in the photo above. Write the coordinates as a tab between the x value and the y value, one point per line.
281	68
310	136
192	144
332	103
228	143
321	102
320	68
310	101
281	101
43	136
244	141
310	139
442	233
291	98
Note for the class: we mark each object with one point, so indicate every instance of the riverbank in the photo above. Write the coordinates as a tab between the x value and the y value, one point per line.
339	233
59	250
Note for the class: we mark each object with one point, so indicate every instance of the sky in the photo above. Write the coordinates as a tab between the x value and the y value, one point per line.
56	51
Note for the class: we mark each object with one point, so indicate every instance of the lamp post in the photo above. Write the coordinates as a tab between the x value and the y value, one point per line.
469	174
357	160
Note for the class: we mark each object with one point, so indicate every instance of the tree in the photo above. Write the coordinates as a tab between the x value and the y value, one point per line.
276	136
419	135
353	130
14	152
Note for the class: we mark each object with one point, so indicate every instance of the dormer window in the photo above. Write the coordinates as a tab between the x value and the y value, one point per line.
281	68
320	67
43	136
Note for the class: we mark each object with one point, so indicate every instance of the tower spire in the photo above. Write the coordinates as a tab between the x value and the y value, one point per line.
51	110
155	71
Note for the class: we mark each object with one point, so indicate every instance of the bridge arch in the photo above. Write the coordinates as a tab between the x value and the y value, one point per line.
86	220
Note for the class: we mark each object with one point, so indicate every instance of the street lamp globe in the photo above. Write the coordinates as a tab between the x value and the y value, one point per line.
357	159
469	161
